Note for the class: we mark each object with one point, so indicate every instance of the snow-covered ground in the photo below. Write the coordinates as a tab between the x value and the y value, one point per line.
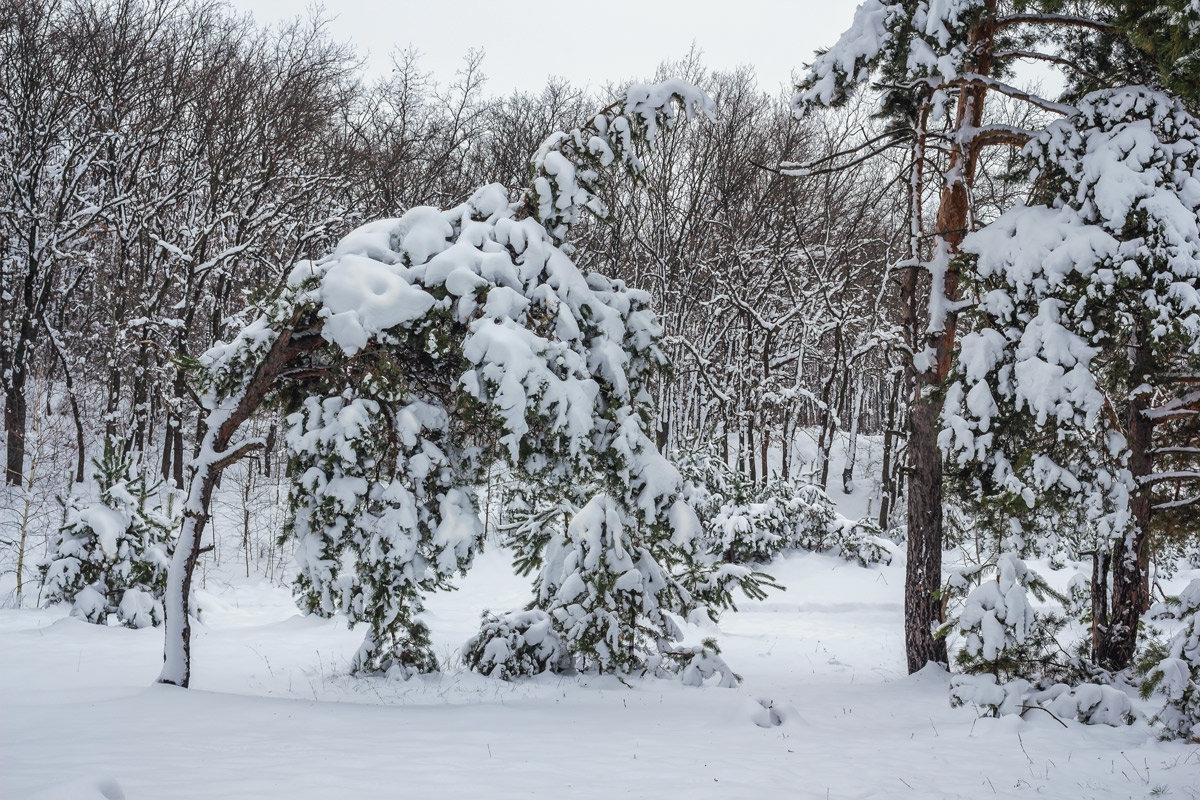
272	713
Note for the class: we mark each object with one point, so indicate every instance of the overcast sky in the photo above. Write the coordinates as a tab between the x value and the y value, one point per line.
585	42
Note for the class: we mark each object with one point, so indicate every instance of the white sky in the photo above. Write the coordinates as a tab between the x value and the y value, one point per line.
589	43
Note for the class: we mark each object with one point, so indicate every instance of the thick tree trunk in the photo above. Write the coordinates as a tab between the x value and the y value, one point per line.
923	611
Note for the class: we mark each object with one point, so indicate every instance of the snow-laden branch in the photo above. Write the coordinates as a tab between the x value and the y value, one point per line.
1055	20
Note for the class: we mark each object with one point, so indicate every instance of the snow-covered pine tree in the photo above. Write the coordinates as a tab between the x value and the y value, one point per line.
608	584
465	335
111	554
936	63
1077	383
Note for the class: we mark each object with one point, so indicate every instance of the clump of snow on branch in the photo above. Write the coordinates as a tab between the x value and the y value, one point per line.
1087	703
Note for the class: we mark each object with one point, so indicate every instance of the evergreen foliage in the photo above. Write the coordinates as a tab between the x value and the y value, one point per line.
450	339
111	555
1109	259
1173	671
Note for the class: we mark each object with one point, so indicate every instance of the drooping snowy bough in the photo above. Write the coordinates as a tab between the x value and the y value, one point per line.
423	349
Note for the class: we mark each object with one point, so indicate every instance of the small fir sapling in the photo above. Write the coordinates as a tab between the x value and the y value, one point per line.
111	555
1011	659
1173	670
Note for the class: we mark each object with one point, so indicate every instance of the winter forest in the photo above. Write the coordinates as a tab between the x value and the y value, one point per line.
366	433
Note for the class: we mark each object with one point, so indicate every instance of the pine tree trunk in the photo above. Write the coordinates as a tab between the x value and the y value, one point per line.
1131	553
207	467
923	611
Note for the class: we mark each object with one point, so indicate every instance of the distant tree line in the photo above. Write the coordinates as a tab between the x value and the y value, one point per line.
166	162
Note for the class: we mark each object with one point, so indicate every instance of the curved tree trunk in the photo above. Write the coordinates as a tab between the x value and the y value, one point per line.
220	426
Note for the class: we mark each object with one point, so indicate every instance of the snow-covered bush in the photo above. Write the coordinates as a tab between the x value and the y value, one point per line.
817	525
737	527
1010	655
110	554
517	644
1174	670
1089	703
747	523
609	589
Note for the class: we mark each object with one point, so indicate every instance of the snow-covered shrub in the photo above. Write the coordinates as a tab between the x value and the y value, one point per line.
751	531
517	644
1088	703
110	554
1173	671
818	526
708	480
1010	656
739	524
747	523
607	588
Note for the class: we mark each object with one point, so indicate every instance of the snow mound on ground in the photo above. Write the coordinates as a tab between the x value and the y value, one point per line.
84	789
